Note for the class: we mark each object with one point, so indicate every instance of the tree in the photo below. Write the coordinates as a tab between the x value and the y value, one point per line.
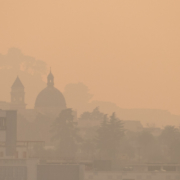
95	115
91	122
148	147
88	148
66	134
170	140
169	135
17	61
109	137
145	138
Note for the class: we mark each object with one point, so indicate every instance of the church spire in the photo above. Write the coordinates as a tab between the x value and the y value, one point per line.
17	95
50	79
17	83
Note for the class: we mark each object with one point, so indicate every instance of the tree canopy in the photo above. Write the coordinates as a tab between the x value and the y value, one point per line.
66	134
109	136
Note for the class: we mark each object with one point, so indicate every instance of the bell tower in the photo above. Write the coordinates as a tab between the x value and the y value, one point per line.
17	95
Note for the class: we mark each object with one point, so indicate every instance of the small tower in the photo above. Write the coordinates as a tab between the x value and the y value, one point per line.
17	95
50	80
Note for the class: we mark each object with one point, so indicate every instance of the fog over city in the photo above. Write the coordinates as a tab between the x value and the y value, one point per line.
90	90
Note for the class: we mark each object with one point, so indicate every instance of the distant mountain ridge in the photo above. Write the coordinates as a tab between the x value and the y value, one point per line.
157	117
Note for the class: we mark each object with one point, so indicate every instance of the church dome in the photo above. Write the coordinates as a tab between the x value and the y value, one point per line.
50	97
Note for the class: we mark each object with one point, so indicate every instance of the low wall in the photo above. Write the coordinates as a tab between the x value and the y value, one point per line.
131	176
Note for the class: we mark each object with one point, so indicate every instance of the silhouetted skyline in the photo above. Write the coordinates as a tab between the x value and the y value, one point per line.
126	52
90	90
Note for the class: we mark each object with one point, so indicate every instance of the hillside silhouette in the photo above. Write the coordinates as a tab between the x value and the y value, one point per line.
78	97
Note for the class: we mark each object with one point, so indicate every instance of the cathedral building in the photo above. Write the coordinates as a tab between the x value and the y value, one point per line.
49	100
35	124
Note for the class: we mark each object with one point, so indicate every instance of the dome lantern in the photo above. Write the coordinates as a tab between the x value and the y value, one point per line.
50	79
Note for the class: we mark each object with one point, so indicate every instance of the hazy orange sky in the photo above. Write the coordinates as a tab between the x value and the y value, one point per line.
125	51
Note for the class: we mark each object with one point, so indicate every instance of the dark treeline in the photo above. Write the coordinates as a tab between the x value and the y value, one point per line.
98	136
